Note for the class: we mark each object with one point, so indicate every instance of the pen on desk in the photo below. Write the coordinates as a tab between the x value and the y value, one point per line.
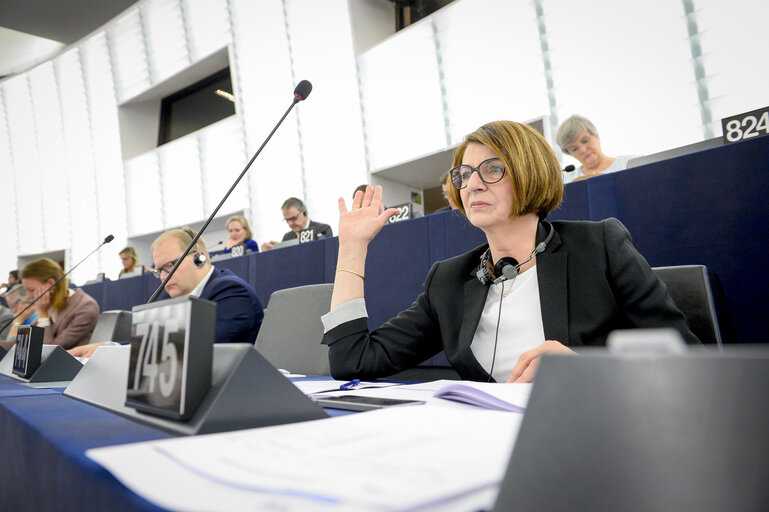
350	385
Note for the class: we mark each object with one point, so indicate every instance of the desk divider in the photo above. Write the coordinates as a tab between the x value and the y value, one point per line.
246	392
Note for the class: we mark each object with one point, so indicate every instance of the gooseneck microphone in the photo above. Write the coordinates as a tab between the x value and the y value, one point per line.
569	168
302	90
107	240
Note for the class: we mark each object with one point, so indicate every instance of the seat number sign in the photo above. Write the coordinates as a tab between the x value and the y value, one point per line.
746	126
169	370
405	212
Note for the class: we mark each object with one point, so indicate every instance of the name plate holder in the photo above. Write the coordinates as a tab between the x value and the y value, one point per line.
172	341
31	361
244	389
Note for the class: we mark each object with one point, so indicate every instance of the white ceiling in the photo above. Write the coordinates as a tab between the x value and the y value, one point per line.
32	31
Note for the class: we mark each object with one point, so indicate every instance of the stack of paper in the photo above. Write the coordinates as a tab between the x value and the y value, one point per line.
401	458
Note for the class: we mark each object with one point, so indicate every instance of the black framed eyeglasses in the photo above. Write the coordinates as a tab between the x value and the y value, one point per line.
294	218
490	171
168	267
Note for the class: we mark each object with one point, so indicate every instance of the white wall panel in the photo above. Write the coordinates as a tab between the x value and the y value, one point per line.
264	86
628	68
735	52
84	228
180	181
207	26
129	55
166	38
481	84
8	178
23	143
52	155
330	120
108	166
402	97
143	195
221	147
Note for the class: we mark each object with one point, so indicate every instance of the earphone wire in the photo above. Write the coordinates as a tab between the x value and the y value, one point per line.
496	332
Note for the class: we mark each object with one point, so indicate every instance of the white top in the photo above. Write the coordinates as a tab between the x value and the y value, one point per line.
520	324
202	284
619	164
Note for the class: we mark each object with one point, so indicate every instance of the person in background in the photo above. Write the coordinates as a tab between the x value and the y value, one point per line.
67	315
13	283
446	192
130	260
578	137
239	313
295	215
537	287
362	188
17	302
240	234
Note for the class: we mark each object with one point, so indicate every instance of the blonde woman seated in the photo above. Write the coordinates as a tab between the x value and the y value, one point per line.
578	137
535	288
68	316
240	234
130	260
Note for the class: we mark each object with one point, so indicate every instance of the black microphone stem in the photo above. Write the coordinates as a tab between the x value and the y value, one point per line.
160	288
106	241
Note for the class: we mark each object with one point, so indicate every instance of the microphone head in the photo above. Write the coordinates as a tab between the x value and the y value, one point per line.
303	90
569	168
109	239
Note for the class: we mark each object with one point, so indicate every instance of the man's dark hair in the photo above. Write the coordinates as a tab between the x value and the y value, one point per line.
296	203
15	274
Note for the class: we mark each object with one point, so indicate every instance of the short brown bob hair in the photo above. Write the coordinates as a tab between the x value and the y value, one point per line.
529	161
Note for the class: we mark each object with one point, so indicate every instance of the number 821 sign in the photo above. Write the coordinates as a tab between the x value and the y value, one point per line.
746	126
169	371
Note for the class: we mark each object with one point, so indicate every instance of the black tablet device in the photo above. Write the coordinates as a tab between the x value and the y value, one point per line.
361	403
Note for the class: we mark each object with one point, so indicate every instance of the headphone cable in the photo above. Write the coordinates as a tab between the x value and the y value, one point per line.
496	333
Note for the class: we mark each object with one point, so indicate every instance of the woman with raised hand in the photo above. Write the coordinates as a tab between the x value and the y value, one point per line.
536	287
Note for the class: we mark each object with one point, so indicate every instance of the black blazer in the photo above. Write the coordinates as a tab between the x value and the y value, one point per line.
591	282
321	231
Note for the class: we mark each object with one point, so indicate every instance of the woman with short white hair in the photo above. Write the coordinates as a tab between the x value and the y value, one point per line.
578	137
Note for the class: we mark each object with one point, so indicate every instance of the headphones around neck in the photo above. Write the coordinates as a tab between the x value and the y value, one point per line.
506	268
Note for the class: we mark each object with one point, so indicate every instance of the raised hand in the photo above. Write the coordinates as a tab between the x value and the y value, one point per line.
365	218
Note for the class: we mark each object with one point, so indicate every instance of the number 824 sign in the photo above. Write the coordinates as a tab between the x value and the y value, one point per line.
746	126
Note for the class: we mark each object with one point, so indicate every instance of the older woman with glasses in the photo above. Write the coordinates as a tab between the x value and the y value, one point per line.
536	287
578	137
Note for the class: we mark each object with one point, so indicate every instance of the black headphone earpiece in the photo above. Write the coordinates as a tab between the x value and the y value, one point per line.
506	268
199	259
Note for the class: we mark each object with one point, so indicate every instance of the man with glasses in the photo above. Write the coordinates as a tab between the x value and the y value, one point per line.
295	215
239	313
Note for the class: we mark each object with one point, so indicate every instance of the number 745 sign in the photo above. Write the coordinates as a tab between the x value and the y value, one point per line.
746	126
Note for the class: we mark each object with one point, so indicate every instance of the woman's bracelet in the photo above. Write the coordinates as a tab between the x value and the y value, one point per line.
351	272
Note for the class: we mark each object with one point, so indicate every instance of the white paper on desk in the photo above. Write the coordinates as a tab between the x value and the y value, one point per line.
400	458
